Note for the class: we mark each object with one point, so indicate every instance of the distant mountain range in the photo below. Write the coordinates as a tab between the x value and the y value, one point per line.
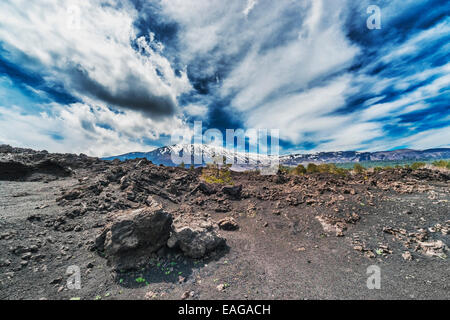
248	160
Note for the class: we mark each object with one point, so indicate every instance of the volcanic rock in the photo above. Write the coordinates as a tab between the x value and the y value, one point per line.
233	191
228	224
196	240
135	234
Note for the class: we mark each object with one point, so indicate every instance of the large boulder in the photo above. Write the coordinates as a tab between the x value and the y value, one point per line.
206	188
196	240
135	235
233	191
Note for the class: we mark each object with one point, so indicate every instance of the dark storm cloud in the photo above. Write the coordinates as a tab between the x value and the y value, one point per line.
130	94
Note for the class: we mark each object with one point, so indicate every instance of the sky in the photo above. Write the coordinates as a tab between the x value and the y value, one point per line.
107	77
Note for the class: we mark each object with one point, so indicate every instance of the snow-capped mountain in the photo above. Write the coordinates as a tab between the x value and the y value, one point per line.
199	154
353	156
244	161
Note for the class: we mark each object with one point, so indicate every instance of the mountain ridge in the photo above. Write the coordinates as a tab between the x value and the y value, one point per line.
162	156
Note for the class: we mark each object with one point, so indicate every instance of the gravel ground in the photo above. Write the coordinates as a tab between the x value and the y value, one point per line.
311	237
272	262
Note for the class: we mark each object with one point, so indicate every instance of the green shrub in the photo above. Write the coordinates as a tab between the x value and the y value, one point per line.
213	175
340	171
330	168
418	165
325	168
284	169
312	168
359	169
299	170
442	164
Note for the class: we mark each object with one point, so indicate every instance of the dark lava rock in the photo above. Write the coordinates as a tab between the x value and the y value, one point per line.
207	189
233	191
228	224
135	234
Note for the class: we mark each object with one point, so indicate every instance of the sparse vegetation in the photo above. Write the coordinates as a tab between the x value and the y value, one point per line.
442	164
140	280
358	168
299	170
214	175
312	168
418	165
284	169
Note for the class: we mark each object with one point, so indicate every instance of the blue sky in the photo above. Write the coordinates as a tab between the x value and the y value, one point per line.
107	77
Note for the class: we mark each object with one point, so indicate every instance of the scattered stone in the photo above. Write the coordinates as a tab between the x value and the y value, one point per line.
26	256
186	295
5	263
6	236
56	281
150	295
433	248
407	256
228	224
332	225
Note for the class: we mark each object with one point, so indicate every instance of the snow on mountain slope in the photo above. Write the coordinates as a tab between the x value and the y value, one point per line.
246	161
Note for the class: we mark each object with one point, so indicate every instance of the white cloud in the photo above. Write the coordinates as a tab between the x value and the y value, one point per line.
82	128
303	113
196	110
250	5
96	60
280	57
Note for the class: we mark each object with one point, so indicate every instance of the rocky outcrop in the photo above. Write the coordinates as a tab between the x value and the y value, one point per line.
196	240
134	235
233	191
17	164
